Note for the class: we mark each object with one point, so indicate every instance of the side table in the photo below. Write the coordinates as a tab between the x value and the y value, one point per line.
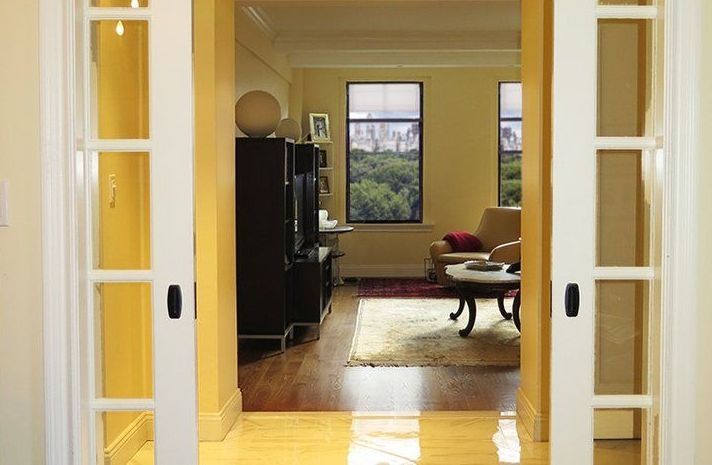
330	237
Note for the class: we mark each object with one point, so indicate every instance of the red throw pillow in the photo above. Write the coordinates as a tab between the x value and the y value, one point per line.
463	241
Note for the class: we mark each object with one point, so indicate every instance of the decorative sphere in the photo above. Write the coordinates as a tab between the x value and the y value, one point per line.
289	128
257	113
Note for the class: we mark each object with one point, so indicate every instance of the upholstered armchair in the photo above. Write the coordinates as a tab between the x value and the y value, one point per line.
499	231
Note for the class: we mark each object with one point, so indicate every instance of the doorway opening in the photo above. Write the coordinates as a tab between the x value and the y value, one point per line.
408	152
321	89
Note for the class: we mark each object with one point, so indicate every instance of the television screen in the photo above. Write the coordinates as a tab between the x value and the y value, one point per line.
299	197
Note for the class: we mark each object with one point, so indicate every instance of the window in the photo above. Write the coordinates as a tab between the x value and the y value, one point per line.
384	160
510	144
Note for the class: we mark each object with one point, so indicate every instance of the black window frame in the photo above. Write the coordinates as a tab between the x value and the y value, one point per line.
421	125
501	152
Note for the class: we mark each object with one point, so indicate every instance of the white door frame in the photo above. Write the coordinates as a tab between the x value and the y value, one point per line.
65	440
683	54
60	235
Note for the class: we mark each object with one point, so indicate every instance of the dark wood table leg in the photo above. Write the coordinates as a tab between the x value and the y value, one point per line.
503	311
472	308
515	310
460	308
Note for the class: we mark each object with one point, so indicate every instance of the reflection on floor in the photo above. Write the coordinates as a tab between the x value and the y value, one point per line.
330	438
425	438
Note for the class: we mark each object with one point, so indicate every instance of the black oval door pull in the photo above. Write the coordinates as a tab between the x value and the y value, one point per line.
175	301
572	300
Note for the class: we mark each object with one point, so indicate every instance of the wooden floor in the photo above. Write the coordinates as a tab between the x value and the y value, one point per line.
312	376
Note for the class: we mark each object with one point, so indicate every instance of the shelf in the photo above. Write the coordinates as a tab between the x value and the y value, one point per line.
326	195
328	168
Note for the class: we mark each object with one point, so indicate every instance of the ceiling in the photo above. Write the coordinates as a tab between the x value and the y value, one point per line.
317	33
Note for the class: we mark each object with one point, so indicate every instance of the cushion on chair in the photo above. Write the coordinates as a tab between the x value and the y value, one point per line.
461	257
463	241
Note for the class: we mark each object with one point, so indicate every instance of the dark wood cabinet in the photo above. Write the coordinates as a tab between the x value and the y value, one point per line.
280	267
313	288
265	216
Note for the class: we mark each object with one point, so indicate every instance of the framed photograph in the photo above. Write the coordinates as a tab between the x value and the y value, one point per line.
322	159
319	127
324	185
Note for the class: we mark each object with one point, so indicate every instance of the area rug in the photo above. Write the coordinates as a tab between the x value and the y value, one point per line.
403	287
419	332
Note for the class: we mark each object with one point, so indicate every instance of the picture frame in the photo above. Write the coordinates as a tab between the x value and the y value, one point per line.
323	162
324	185
319	127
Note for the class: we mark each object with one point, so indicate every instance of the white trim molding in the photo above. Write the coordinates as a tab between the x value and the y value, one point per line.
382	271
680	311
214	426
534	422
393	227
405	59
130	441
59	275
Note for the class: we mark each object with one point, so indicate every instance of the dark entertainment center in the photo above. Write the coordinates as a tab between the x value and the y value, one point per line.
283	276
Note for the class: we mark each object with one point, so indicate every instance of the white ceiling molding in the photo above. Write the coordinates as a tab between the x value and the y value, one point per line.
348	3
484	33
405	59
261	20
370	40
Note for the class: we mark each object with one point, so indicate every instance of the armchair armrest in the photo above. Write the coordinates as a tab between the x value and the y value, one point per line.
507	253
438	248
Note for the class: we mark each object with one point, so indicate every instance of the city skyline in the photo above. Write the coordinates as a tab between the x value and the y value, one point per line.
383	136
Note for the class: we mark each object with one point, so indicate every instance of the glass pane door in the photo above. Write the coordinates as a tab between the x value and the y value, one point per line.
607	179
135	82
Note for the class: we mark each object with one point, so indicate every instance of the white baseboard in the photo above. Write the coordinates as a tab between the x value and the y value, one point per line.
535	423
130	441
214	426
383	271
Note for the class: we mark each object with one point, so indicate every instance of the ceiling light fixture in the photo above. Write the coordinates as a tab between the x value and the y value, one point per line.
134	4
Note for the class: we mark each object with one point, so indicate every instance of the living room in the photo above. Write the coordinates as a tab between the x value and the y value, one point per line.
454	73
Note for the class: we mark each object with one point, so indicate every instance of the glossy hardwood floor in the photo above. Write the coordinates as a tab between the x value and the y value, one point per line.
332	438
312	376
429	438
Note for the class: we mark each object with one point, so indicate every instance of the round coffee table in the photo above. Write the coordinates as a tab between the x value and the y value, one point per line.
472	284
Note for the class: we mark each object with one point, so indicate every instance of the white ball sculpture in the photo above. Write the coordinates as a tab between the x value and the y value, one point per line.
289	128
257	113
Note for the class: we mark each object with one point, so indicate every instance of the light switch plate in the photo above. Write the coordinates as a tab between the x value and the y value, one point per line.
4	210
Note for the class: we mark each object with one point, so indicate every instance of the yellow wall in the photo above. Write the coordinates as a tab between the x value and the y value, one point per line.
536	216
258	65
21	390
703	453
459	161
215	216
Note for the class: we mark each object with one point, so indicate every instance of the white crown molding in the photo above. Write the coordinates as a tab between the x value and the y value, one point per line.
389	41
405	59
382	271
348	3
261	20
